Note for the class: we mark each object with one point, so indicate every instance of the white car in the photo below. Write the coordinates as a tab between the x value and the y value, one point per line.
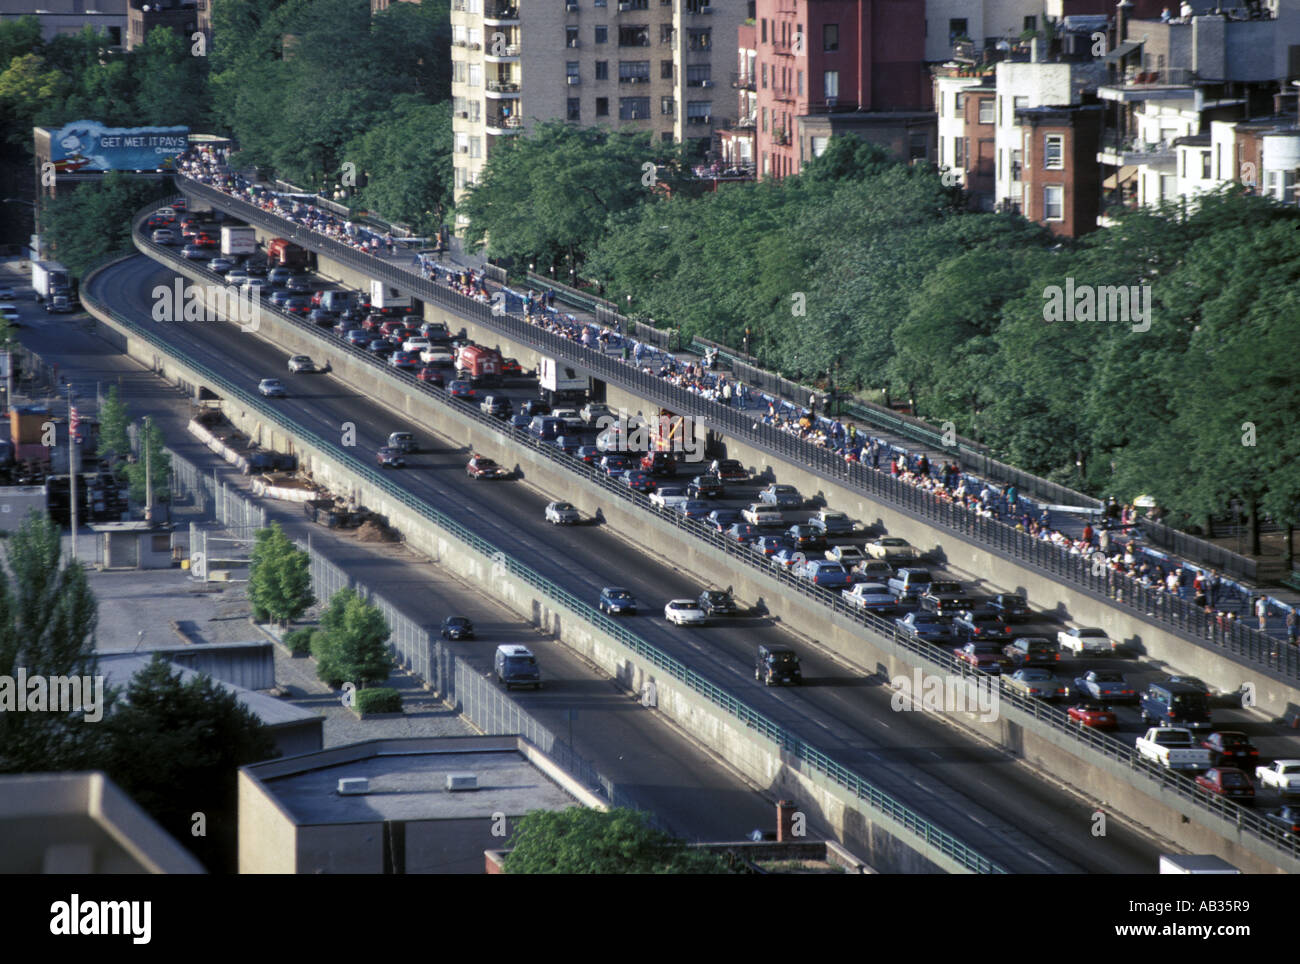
272	388
415	344
891	548
301	363
847	556
685	612
669	496
562	514
1282	775
437	356
1085	639
761	515
594	411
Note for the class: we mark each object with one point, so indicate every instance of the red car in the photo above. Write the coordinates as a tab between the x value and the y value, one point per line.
1227	782
431	375
1231	747
159	221
984	656
1097	715
510	368
481	467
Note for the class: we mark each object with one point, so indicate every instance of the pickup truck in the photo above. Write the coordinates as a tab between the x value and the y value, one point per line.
1173	748
785	496
909	583
762	515
1281	775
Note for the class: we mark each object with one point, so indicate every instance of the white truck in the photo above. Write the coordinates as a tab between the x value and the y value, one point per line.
238	240
388	300
1174	748
1195	864
50	278
559	382
1281	775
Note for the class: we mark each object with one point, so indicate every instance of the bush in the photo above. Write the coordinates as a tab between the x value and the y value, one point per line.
261	615
299	641
378	699
324	651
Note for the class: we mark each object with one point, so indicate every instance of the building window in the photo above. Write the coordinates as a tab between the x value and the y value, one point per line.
1031	23
634	71
571	36
1168	186
763	120
959	152
476	147
918	146
665	70
633	108
665	33
602	34
831	83
460	178
476	75
699	40
474	110
458	71
602	70
800	84
666	137
957	28
697	75
763	39
830	36
634	36
986	110
602	106
818	145
1015	164
666	106
575	109
1205	165
958	104
1054	203
763	71
699	111
1054	152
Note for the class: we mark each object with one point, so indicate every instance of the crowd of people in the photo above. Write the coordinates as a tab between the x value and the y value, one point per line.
1114	538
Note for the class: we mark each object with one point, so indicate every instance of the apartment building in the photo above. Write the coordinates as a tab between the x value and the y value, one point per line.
63	18
641	65
1061	186
736	143
186	17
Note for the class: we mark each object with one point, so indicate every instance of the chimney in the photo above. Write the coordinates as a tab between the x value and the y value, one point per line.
785	810
1121	20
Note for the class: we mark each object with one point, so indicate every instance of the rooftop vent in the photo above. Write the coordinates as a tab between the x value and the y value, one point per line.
352	786
462	781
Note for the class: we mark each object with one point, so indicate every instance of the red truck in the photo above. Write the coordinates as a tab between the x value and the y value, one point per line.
285	254
480	364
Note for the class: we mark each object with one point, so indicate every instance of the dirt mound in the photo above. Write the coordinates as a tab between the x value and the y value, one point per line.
372	531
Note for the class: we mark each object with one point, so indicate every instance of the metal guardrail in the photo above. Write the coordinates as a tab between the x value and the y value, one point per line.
1105	583
605	312
876	799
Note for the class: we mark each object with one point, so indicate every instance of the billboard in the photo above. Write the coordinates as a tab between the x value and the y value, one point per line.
83	146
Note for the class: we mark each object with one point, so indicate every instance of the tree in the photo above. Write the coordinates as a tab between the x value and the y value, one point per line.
114	417
159	466
94	220
175	747
47	627
171	82
351	645
406	156
582	841
279	578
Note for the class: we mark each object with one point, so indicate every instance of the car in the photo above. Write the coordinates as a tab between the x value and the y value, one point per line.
1033	651
534	407
1099	716
743	532
773	665
159	221
497	406
617	601
684	612
637	481
237	275
298	305
430	376
1282	775
562	514
6	292
457	627
380	346
403	441
357	338
10	313
832	523
705	487
825	573
693	508
982	625
1085	640
256	268
722	519
416	343
847	556
1287	819
659	463
272	388
568	444
1035	682
593	412
1011	606
301	363
1227	782
280	297
510	368
321	317
615	464
390	458
194	252
806	537
1190	681
718	602
909	582
586	453
163	236
728	470
789	559
343	326
482	467
770	545
1105	686
873	597
944	598
892	549
404	361
931	629
758	514
279	277
782	496
299	283
874	570
435	331
667	496
220	265
460	389
987	657
1231	747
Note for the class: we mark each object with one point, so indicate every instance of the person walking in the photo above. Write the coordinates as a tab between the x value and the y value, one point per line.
1292	626
1261	610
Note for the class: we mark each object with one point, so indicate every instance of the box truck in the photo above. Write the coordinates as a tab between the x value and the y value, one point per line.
1195	864
481	365
50	278
238	240
387	300
560	382
283	253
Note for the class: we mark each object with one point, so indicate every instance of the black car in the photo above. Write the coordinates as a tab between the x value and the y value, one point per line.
1011	606
457	627
321	317
1288	819
981	624
716	602
705	487
497	405
944	599
534	407
775	665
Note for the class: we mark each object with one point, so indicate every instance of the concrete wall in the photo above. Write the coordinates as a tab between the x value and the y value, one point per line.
267	835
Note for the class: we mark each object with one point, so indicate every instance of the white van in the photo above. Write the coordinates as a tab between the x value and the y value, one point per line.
515	665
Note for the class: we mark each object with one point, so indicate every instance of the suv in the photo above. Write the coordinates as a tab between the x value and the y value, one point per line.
1176	704
496	405
515	665
1011	606
774	665
716	602
1033	651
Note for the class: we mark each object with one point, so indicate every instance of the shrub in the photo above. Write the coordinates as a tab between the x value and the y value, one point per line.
378	699
299	641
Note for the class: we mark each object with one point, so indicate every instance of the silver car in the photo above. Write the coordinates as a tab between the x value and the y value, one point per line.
562	514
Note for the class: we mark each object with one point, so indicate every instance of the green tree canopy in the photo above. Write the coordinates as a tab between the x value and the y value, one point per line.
351	645
279	577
